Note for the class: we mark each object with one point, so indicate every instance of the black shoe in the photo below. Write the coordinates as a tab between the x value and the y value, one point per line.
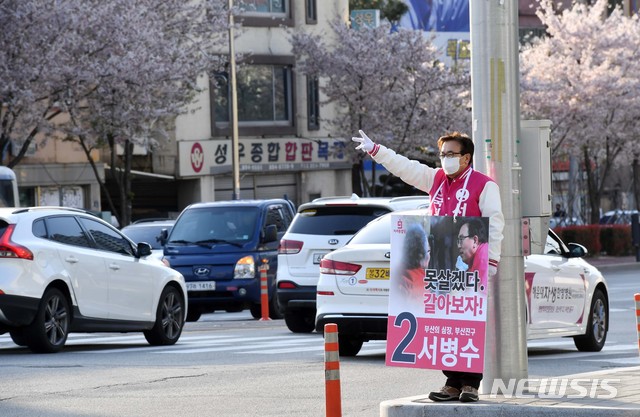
446	393
468	394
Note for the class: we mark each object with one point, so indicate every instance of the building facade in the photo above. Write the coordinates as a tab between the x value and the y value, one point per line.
285	148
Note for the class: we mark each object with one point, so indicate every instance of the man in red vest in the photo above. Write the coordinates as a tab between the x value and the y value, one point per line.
456	189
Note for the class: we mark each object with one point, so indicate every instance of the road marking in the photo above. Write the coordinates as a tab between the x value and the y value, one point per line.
238	344
632	361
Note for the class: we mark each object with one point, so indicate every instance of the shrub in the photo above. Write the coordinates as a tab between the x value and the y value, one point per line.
588	236
613	240
616	239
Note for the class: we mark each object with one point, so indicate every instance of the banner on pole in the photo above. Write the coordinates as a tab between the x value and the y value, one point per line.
438	292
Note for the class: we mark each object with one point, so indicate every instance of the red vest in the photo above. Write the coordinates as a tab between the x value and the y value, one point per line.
446	193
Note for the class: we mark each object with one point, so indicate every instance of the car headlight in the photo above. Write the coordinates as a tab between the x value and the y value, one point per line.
245	268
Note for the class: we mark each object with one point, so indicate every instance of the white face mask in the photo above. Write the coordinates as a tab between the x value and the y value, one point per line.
450	165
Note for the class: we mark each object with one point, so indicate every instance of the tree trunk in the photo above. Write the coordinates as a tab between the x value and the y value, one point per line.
126	181
592	188
573	203
356	178
636	181
103	187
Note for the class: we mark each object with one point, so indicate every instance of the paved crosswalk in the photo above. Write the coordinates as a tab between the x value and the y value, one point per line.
237	343
194	344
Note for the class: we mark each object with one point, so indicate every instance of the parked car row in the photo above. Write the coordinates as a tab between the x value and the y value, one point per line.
617	217
64	270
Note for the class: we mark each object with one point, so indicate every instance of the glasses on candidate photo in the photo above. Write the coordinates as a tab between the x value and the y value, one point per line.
449	155
462	238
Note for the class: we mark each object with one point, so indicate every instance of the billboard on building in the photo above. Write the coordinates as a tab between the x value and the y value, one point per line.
447	21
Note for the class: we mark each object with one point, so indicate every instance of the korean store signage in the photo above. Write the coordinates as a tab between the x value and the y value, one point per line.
207	157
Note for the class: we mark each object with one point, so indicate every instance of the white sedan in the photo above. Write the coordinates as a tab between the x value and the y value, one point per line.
565	295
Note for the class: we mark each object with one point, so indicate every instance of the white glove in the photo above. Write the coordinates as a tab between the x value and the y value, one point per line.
366	144
492	270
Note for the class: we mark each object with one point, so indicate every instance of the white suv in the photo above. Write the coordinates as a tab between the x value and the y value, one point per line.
64	270
321	226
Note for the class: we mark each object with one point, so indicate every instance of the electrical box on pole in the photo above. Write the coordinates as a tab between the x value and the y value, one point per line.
535	147
496	127
535	143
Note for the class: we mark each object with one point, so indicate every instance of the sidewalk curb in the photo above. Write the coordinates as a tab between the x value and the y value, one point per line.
421	406
618	267
411	407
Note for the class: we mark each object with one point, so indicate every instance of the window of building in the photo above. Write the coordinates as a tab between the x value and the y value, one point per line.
263	6
312	12
613	4
270	13
265	99
313	103
527	35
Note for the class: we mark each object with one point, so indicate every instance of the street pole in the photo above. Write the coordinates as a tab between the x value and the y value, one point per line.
496	126
235	143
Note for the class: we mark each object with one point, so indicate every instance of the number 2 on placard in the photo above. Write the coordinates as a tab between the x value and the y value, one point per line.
399	354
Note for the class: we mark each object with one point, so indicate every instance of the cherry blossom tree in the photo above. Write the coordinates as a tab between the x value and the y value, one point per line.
585	77
389	84
119	70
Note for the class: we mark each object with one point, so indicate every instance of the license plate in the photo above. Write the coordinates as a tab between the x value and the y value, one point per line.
201	286
317	257
377	273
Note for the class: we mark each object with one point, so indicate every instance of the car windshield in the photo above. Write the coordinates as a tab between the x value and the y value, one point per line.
554	245
215	225
334	220
149	234
377	231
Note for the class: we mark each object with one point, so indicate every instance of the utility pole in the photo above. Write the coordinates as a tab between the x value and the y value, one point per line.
496	128
235	142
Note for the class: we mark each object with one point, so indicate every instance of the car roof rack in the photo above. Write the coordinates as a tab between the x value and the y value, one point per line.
28	209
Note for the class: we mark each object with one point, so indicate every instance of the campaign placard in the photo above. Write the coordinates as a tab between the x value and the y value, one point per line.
438	292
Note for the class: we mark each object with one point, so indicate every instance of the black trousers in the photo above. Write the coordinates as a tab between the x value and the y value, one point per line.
459	379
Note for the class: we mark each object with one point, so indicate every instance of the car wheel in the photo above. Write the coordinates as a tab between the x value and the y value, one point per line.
275	309
256	311
49	330
300	321
18	337
193	314
169	319
593	340
349	345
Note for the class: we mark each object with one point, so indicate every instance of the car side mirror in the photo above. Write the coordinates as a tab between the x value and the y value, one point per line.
162	238
576	250
144	249
270	233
